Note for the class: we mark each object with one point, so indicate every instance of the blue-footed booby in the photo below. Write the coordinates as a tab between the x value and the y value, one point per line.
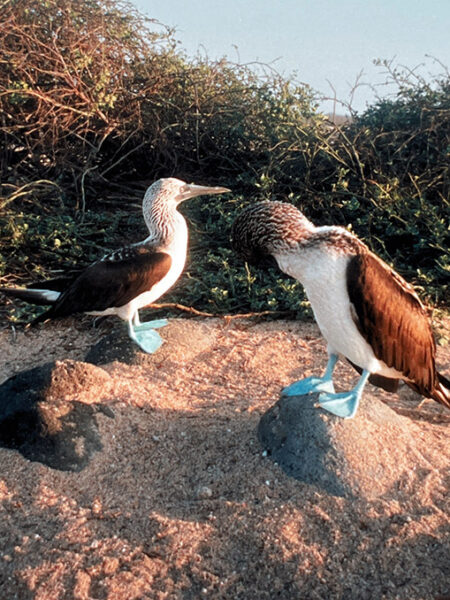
129	278
366	311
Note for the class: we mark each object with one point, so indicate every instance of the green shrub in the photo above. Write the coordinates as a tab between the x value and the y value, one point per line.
98	102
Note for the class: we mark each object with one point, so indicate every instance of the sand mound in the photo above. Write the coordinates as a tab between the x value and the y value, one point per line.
368	456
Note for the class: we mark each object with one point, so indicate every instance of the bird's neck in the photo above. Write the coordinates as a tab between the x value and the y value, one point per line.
164	222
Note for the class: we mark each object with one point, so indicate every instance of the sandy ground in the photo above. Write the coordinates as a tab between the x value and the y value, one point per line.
181	503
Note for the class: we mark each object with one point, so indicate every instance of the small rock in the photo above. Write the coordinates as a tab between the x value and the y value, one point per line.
204	492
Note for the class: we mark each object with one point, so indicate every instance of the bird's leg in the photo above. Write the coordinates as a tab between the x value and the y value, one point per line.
146	338
314	384
155	324
344	404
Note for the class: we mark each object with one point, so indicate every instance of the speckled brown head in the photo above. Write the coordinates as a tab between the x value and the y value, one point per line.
267	228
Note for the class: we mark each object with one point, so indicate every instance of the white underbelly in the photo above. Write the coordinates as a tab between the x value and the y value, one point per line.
325	283
343	337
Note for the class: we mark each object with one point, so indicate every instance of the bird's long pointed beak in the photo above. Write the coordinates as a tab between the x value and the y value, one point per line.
190	190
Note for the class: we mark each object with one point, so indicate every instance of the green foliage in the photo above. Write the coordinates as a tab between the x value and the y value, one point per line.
219	282
98	102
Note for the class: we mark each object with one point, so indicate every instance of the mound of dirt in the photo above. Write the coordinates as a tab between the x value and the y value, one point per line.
48	413
363	457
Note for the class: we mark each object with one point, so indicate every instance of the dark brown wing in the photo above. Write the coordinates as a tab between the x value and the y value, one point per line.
113	281
60	283
391	318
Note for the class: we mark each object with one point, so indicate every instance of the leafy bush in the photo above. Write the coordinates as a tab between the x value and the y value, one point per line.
98	102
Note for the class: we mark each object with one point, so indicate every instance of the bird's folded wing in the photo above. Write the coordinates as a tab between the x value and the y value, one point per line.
58	284
391	318
114	281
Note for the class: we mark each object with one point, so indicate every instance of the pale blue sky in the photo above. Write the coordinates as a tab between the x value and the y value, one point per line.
319	40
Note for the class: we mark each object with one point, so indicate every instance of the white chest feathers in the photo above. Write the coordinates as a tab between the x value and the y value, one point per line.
323	274
177	249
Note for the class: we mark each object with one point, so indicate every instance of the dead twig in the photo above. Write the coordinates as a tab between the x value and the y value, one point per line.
200	313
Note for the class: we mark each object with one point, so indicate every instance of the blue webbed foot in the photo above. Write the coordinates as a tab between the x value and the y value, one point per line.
155	324
345	404
308	385
148	340
342	405
314	384
145	336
